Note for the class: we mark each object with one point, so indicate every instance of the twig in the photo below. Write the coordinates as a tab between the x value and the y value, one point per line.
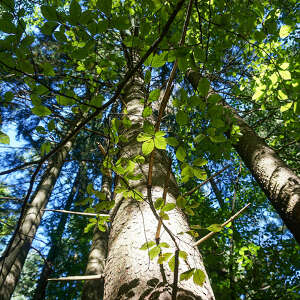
204	182
20	167
76	213
157	235
224	224
83	277
175	281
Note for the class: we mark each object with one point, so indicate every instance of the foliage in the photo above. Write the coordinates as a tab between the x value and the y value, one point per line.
63	61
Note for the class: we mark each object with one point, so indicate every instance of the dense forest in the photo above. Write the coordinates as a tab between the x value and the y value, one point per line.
149	149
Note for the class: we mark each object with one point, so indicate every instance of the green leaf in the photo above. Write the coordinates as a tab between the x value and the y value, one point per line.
62	100
284	31
147	76
186	275
164	257
90	189
164	216
286	75
189	211
49	27
154	252
200	174
181	202
48	69
214	227
148	147
159	60
203	87
286	107
104	6
45	148
168	207
7	26
121	23
218	138
164	245
182	118
199	162
4	138
181	154
142	137
75	11
154	95
214	98
147	112
284	65
199	138
49	13
41	129
51	125
101	227
147	245
183	255
41	111
160	142
199	277
158	203
8	96
282	95
171	263
172	141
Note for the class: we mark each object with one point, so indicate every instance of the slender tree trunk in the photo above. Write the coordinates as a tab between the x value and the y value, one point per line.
40	290
12	262
215	188
94	289
280	184
129	273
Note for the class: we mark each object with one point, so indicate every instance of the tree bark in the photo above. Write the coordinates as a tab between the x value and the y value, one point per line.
40	291
279	183
129	273
12	262
94	289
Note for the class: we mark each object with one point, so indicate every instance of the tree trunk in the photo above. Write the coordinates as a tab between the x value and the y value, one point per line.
129	273
280	184
94	289
12	262
40	290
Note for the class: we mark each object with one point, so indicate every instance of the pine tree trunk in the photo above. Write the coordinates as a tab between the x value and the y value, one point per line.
40	291
12	262
129	273
94	289
280	184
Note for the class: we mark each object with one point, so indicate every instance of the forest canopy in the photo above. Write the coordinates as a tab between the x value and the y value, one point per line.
135	134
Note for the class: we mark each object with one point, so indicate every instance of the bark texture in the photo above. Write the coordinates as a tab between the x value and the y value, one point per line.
279	183
12	262
129	273
40	291
94	289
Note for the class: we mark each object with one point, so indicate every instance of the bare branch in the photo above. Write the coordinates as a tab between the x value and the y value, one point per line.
77	213
224	224
83	277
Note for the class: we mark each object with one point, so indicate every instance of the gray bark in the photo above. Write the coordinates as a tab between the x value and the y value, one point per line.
94	289
12	262
40	290
129	273
279	183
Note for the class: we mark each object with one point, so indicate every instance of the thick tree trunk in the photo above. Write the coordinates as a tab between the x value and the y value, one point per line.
12	262
129	273
280	184
94	289
40	291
